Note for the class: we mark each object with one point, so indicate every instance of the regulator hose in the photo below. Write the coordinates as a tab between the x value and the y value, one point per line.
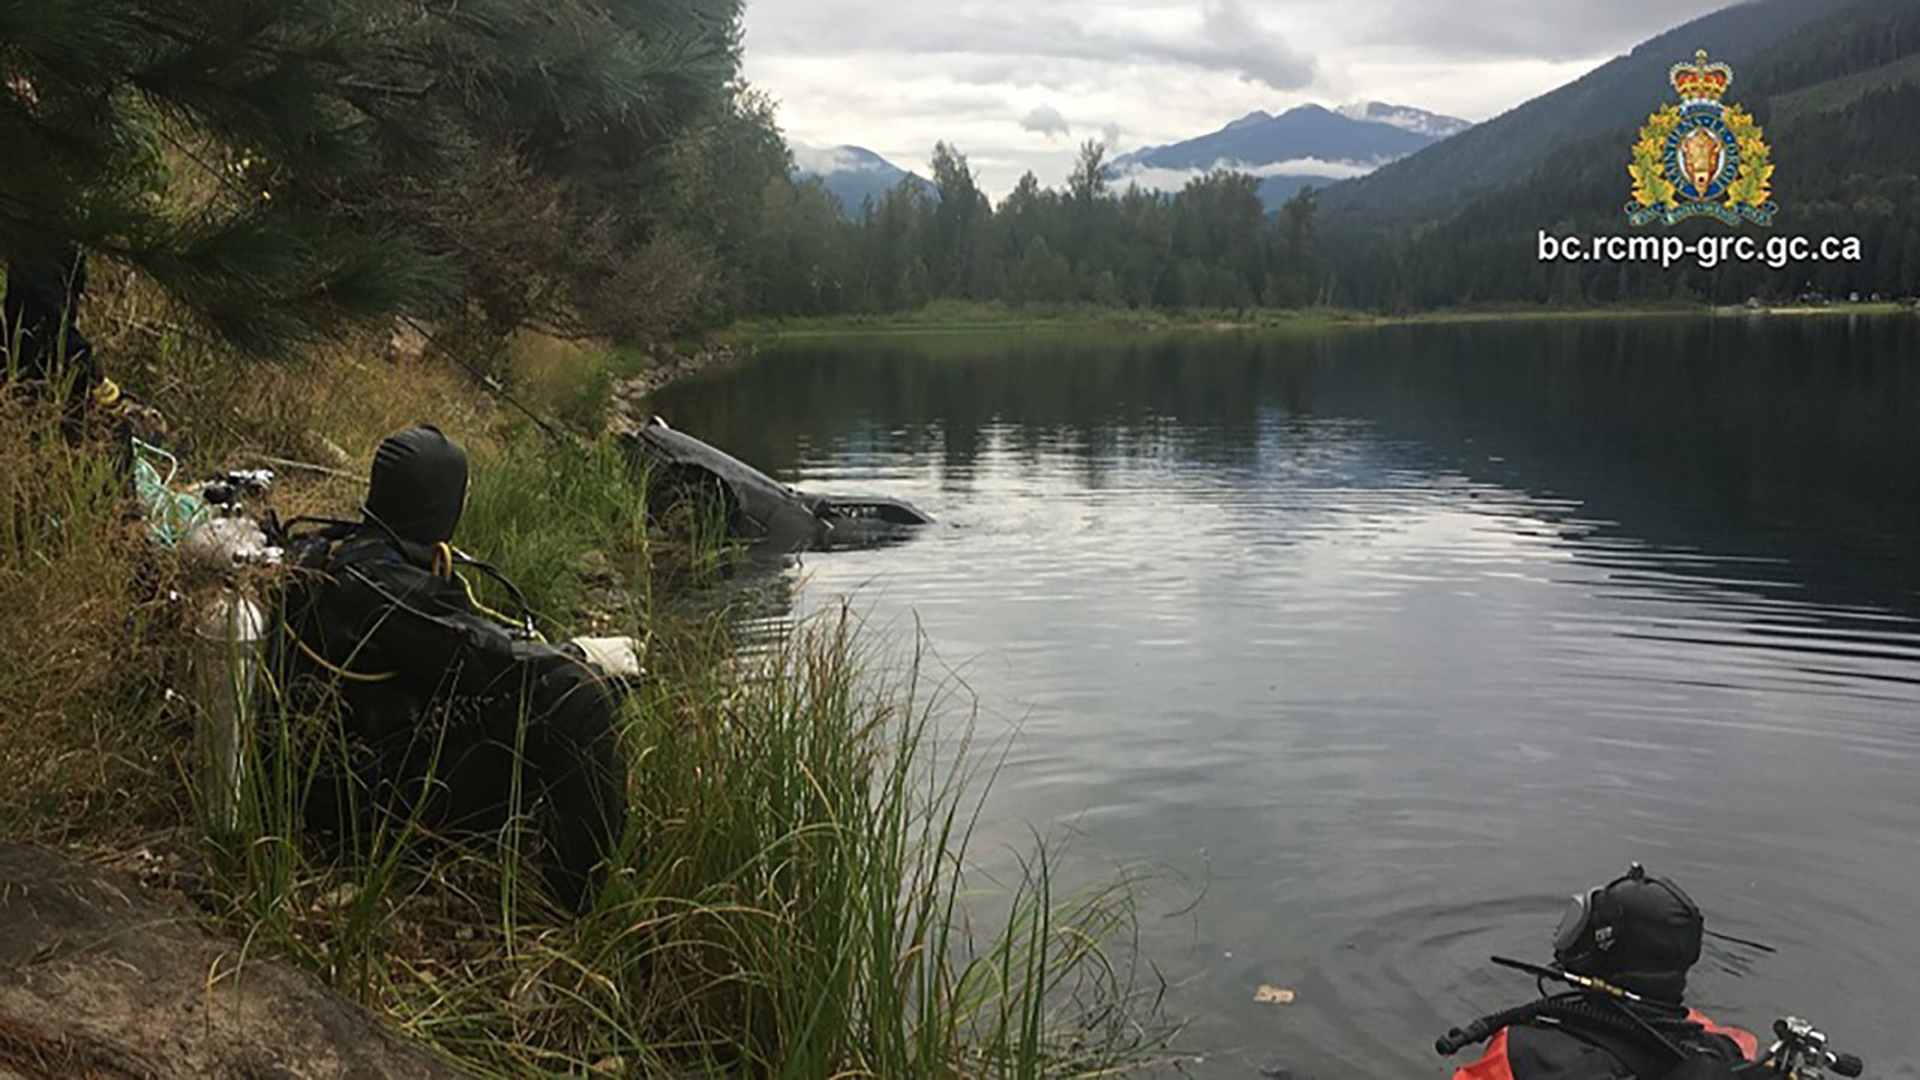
1576	1006
1483	1029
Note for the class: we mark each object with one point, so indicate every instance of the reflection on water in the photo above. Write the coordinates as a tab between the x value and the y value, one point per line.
1392	637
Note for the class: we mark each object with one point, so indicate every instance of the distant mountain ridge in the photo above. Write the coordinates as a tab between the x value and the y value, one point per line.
1419	121
1309	144
852	174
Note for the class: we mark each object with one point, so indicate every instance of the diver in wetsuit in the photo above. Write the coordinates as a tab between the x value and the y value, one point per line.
445	710
1638	934
43	341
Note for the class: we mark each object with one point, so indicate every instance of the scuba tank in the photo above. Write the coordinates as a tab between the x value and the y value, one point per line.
229	638
211	532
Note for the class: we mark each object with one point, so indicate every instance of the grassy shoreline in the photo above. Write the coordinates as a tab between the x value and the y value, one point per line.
949	317
797	898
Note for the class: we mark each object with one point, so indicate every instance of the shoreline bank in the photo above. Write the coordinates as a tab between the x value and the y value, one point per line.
742	340
629	396
968	318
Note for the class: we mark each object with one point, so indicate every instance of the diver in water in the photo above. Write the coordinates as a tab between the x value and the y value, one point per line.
449	715
1626	947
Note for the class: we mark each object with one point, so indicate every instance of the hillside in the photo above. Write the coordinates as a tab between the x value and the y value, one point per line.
1837	94
1838	102
1430	184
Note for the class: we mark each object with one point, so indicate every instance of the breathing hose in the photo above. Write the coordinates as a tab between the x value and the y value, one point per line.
1575	1006
1483	1029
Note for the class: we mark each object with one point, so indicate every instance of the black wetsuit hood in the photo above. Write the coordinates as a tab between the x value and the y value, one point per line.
418	490
1641	933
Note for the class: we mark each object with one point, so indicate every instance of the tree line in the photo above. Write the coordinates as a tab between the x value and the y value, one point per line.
1848	165
279	171
1212	244
1847	171
598	168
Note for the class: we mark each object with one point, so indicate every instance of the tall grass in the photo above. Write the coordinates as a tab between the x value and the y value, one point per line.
791	895
87	639
570	382
790	899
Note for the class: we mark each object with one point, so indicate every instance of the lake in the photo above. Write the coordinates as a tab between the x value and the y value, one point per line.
1381	642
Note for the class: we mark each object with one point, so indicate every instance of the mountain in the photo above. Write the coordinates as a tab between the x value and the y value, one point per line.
1418	121
1617	96
1258	139
1836	97
852	174
1304	145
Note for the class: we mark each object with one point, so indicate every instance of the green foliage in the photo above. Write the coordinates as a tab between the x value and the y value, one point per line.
798	263
280	168
539	507
1294	278
792	895
1211	245
1864	35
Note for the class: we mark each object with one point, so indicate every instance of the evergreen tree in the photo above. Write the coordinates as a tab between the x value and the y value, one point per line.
278	166
1295	254
956	243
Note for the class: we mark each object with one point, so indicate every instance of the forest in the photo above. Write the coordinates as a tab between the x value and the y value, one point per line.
1212	245
600	169
1837	100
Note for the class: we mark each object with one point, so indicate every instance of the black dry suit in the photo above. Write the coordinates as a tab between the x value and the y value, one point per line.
1640	934
447	715
40	336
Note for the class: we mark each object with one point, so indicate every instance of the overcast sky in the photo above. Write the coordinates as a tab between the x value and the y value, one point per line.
1017	84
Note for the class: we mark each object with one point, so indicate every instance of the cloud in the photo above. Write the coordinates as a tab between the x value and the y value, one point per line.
895	77
1046	120
823	161
1157	179
1529	28
1309	166
1010	36
1231	40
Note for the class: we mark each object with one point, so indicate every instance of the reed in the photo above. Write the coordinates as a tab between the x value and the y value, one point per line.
791	898
794	894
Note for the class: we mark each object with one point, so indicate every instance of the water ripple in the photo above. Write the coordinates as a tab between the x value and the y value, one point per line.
1393	663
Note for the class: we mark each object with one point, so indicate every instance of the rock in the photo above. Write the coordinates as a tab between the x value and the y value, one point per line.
100	977
333	452
408	342
630	394
609	605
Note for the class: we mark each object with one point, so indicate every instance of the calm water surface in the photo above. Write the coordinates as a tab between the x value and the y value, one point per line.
1387	640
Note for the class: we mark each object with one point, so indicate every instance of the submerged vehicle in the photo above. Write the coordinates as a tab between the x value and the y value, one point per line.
687	476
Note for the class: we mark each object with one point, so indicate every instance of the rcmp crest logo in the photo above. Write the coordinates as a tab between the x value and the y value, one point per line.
1701	157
